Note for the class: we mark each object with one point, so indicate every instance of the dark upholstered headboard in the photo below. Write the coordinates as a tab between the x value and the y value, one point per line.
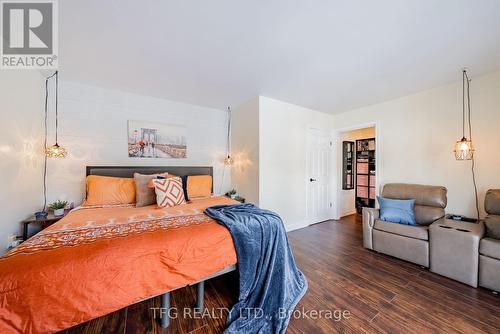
128	171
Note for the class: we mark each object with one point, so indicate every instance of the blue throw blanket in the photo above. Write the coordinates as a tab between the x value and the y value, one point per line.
270	283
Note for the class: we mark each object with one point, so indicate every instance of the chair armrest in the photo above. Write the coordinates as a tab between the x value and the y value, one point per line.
369	217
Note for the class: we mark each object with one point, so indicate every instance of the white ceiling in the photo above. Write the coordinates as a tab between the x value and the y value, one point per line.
326	55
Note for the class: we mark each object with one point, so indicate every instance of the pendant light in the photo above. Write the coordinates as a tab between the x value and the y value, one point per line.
228	160
463	148
54	151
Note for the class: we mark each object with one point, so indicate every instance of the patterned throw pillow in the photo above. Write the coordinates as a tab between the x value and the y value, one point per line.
169	192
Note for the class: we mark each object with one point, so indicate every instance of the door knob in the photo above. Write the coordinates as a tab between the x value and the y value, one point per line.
312	180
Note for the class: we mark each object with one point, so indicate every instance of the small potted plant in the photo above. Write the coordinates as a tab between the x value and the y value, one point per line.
232	193
58	207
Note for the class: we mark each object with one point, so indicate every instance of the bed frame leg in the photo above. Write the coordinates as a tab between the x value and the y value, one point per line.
165	304
200	300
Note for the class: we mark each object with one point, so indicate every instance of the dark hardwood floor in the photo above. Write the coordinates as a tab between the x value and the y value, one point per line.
381	294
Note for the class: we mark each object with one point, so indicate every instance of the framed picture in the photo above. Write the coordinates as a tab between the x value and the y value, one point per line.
156	140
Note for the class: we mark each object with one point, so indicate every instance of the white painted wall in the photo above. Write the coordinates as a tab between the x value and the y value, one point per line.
21	147
283	169
347	197
418	133
245	150
269	146
93	128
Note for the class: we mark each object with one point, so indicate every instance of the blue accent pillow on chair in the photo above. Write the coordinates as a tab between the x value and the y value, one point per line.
400	211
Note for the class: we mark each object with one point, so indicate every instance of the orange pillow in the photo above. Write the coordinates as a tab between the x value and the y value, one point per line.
107	190
199	186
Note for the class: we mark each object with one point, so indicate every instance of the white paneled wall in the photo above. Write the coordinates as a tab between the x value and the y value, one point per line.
93	128
21	125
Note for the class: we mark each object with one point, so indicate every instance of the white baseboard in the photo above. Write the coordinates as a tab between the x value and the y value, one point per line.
299	225
296	226
348	213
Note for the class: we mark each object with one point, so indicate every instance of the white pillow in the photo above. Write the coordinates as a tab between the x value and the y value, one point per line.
169	192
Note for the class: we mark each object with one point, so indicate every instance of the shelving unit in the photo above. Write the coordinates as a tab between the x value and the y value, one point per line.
365	173
347	165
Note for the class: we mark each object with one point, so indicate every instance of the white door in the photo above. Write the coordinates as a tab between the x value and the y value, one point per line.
319	206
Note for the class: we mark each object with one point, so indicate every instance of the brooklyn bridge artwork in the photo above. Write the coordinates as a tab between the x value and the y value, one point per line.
156	140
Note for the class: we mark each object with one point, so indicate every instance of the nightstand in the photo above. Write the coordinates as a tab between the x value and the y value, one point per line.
44	223
460	218
239	199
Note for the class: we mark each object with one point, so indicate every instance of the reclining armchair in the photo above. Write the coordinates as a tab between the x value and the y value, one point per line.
489	247
407	242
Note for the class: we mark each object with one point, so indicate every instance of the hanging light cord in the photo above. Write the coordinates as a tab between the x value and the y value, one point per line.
57	99
466	78
228	148
228	145
45	139
464	74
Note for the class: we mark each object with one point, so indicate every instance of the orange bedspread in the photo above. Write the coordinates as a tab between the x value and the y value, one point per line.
97	260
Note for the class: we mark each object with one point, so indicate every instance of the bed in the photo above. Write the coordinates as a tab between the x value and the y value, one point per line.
97	260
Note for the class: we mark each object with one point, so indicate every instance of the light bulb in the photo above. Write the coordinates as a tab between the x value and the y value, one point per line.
228	160
464	149
56	151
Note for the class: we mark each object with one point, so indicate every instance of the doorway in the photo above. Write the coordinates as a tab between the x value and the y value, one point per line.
357	169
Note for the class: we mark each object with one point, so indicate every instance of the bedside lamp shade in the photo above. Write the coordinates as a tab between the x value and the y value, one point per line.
228	161
55	151
464	149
